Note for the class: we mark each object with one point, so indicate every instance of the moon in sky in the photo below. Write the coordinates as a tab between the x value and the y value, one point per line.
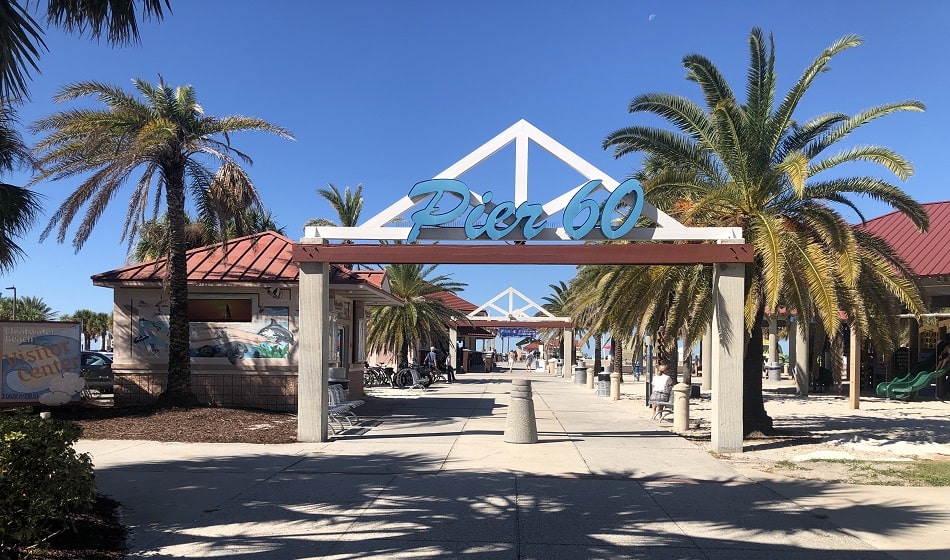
652	17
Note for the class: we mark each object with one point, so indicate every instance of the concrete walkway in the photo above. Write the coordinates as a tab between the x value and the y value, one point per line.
431	477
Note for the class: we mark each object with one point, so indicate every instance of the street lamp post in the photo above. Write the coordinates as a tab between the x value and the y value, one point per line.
14	300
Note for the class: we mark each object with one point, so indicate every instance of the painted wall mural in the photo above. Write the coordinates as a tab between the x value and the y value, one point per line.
268	336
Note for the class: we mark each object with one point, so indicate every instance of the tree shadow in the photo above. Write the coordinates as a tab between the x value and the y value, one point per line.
340	503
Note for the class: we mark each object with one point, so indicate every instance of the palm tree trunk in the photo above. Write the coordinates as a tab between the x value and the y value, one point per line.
754	416
616	359
598	350
179	391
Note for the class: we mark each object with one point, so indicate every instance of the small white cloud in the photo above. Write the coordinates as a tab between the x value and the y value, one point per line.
68	383
55	398
652	17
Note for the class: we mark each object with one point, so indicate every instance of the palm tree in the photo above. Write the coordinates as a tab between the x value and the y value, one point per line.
151	243
753	165
28	308
394	329
556	303
21	37
347	205
88	319
166	136
18	207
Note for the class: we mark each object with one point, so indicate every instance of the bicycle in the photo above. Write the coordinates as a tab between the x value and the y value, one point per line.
377	375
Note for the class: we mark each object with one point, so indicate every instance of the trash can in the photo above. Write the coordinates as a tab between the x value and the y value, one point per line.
603	384
580	375
775	372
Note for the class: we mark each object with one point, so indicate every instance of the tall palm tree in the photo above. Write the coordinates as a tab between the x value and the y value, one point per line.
557	303
21	36
755	166
19	207
165	135
424	317
347	205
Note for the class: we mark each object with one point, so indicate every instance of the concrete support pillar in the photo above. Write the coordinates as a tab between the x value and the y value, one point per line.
773	339
854	369
453	347
567	351
728	336
313	364
792	345
681	408
802	361
615	386
707	354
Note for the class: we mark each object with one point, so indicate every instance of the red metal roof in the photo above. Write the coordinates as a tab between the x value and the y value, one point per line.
928	254
261	258
455	302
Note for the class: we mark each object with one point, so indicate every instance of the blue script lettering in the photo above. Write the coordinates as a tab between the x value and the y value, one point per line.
504	217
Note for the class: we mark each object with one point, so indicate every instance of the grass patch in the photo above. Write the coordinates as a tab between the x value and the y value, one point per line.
915	473
791	466
932	473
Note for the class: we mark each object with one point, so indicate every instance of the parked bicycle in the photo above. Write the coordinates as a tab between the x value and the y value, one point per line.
378	375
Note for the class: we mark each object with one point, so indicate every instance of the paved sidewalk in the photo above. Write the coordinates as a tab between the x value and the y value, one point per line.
431	477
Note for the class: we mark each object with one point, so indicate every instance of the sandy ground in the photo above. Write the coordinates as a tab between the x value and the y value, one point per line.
824	439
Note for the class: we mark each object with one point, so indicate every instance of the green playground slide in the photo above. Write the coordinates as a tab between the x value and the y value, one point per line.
908	389
924	366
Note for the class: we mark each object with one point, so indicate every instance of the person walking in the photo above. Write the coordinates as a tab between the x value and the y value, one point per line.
432	362
662	385
511	360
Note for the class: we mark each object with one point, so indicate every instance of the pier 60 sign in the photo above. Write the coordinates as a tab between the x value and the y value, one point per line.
451	199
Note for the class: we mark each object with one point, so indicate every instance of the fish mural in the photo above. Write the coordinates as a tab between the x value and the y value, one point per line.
276	333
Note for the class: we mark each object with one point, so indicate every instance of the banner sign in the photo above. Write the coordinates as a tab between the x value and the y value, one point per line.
517	332
40	362
451	199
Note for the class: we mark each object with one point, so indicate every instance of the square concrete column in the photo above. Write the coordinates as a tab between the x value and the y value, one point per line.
792	345
854	368
729	338
707	353
313	361
802	354
567	347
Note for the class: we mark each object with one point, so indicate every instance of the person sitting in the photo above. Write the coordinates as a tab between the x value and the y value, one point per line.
662	386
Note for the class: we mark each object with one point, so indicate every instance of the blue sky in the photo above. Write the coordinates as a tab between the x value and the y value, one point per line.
386	94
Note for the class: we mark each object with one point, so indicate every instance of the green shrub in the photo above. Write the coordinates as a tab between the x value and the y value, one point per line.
42	479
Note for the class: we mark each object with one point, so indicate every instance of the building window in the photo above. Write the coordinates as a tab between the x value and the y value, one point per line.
223	310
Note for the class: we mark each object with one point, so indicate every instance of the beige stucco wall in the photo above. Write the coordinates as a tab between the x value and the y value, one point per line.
231	363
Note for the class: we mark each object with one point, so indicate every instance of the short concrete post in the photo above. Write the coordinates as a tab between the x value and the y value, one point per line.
590	378
615	386
521	425
681	408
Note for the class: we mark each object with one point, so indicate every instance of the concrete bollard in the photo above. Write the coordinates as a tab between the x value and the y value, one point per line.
681	408
521	425
590	378
615	386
